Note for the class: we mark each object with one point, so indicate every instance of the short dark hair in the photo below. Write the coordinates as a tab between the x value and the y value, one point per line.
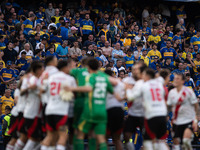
48	59
36	65
93	64
150	72
109	72
164	73
62	64
143	66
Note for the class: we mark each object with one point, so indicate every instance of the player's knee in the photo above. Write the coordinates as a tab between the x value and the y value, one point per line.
187	142
176	141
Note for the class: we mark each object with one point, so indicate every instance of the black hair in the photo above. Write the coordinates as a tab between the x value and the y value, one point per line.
48	59
1	36
164	73
23	53
93	64
109	72
150	72
143	66
187	75
53	19
62	64
36	65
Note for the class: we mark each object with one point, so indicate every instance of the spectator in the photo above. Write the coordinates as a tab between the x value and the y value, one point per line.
168	51
154	52
9	53
101	43
107	49
89	41
75	51
2	44
29	53
126	41
34	41
154	37
195	40
87	27
119	66
63	50
51	51
57	15
104	31
43	42
129	59
6	100
90	51
144	57
28	24
188	81
117	53
21	61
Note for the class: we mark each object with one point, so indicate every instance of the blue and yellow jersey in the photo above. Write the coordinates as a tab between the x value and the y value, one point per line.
195	40
117	22
168	53
171	34
7	74
197	65
106	33
3	33
151	54
185	54
40	15
41	33
87	26
131	34
2	46
78	22
129	60
153	38
28	25
146	59
189	84
180	13
57	19
197	77
21	62
4	66
176	37
4	101
11	25
197	92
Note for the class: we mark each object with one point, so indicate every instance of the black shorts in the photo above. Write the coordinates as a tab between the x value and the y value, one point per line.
178	130
13	126
155	128
132	123
115	120
33	127
53	122
21	125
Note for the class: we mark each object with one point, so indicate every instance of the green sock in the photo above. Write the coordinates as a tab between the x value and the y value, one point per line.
74	142
79	144
92	144
103	146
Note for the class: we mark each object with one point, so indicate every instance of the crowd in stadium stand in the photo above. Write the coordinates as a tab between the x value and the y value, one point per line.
117	37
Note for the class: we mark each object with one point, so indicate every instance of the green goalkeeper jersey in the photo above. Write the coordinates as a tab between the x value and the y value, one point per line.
79	74
95	104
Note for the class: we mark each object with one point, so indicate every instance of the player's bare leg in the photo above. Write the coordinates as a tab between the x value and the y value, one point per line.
10	145
101	139
49	140
187	139
63	135
176	145
117	141
128	144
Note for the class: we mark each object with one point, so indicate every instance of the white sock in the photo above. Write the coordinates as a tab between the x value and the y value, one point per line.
30	145
43	147
129	146
9	147
162	146
148	145
52	148
19	145
155	146
187	143
176	147
60	147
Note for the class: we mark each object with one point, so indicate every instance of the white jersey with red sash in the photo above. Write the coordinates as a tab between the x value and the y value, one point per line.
182	105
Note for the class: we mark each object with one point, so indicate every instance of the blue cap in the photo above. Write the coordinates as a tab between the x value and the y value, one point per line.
144	49
9	62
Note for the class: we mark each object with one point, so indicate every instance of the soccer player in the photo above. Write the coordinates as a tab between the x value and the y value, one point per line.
57	109
32	110
155	110
136	112
115	112
21	103
94	115
184	104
